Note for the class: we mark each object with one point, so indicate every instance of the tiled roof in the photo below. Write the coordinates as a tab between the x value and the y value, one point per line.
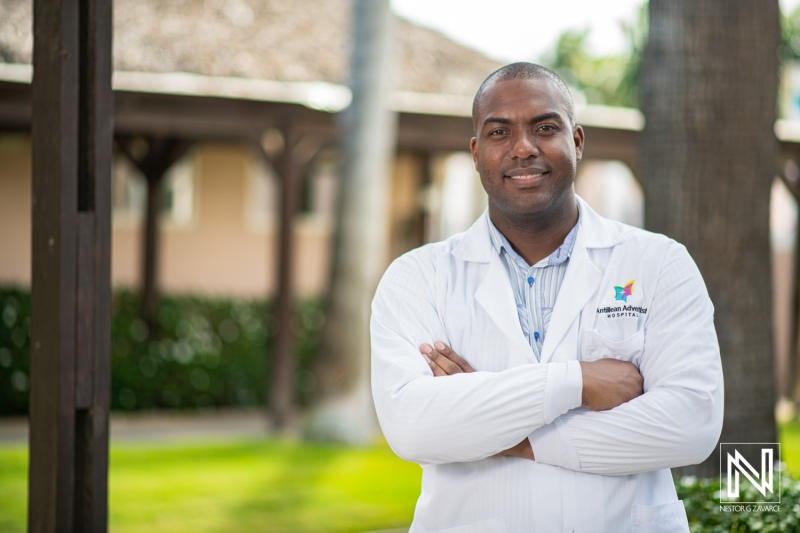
284	40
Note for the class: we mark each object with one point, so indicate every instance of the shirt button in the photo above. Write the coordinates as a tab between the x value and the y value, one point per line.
536	335
531	280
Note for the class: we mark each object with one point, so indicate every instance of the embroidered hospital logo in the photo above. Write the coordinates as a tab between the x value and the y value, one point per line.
618	311
622	293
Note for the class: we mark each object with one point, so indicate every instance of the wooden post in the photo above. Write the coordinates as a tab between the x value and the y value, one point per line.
71	266
160	155
297	152
282	367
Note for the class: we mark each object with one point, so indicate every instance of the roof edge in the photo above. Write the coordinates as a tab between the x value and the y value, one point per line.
319	95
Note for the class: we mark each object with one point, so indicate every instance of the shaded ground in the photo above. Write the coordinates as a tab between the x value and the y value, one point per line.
164	425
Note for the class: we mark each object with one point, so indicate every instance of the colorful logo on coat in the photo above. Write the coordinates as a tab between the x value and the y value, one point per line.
622	293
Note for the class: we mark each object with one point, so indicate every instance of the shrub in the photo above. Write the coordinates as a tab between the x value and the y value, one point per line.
15	334
701	497
203	352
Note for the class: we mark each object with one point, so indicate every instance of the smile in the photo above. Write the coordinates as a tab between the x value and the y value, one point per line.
532	178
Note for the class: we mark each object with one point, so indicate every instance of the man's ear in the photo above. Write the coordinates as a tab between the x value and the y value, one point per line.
578	138
473	147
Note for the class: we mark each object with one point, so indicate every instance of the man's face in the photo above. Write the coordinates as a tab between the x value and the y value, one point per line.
525	147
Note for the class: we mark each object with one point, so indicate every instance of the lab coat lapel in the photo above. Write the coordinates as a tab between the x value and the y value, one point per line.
496	296
582	278
580	283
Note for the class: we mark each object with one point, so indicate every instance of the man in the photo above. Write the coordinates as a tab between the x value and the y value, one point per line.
546	367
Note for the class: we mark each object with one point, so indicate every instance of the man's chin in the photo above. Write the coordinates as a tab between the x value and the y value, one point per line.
532	206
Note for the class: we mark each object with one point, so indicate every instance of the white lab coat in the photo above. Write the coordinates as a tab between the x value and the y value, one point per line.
594	471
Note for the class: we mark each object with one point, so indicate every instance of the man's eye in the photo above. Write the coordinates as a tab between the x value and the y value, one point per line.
496	132
547	128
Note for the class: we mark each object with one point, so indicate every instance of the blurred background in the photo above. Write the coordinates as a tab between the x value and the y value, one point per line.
232	250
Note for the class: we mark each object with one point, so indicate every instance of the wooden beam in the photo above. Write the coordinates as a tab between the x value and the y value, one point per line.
71	281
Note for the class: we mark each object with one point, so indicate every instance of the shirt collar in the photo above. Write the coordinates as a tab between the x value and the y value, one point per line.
561	254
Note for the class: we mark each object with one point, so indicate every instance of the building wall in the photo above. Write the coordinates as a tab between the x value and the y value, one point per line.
15	210
221	252
783	237
226	249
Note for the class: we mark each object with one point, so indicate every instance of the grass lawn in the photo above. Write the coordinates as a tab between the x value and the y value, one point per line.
264	486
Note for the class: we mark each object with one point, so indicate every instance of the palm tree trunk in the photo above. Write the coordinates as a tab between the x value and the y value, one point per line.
707	162
344	409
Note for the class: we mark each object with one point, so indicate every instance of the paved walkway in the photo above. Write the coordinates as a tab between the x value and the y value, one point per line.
164	425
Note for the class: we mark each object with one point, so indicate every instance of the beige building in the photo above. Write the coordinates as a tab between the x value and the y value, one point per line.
219	224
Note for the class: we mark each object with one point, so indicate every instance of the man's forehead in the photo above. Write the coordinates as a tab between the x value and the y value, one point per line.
515	95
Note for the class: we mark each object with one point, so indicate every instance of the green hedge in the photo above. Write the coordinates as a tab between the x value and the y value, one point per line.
15	334
204	353
701	497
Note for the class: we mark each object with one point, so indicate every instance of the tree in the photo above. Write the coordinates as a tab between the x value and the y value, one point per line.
343	408
790	35
707	161
606	80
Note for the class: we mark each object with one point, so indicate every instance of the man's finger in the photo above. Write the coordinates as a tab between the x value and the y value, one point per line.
444	363
446	351
436	369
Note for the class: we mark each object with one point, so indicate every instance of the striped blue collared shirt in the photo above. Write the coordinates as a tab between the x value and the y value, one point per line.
535	287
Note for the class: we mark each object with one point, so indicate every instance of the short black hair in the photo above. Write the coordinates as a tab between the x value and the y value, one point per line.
525	71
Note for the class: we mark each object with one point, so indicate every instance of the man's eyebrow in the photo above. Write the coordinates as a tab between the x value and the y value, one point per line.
534	120
498	120
546	116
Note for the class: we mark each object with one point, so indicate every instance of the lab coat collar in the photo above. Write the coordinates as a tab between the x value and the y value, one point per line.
593	232
582	278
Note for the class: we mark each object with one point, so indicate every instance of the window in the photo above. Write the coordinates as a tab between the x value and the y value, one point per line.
129	193
318	197
262	195
320	187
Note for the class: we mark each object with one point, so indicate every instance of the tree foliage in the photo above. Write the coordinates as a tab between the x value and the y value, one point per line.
790	36
605	80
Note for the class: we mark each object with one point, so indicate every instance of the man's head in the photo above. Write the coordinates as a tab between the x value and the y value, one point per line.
526	145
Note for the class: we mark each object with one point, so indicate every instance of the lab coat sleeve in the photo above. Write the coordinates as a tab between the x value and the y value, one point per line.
677	421
463	417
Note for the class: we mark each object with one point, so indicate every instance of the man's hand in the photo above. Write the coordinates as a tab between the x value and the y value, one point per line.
445	362
608	383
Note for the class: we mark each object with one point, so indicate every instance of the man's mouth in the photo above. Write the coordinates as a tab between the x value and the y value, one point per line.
527	176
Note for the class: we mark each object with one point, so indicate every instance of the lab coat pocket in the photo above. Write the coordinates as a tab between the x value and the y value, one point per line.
664	518
492	525
597	346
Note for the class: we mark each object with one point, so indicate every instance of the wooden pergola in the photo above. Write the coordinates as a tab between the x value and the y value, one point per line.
73	117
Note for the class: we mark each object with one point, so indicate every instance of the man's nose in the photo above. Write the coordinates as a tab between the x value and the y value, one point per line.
524	146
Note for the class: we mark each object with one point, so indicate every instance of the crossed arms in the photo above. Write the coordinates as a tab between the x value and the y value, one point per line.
606	383
469	416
